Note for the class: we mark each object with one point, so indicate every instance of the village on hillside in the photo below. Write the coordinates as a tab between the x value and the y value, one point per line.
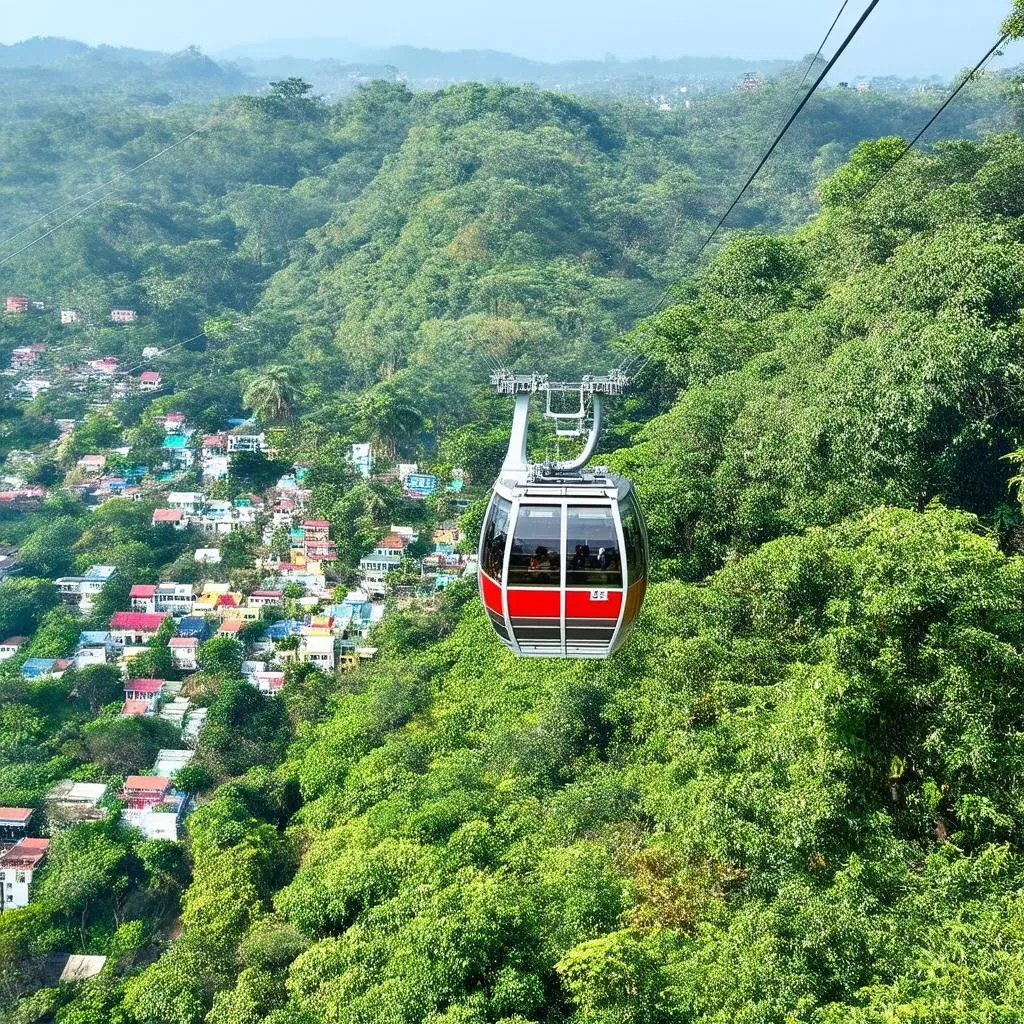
295	608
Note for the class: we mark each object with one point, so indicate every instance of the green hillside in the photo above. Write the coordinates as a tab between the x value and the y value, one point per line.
794	797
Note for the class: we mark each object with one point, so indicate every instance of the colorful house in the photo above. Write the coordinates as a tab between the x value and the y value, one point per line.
17	866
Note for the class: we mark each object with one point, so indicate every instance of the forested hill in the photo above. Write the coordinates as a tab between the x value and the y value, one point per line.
793	798
795	795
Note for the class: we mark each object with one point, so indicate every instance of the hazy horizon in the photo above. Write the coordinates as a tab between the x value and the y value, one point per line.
945	35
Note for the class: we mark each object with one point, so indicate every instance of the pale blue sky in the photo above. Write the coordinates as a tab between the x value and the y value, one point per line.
908	36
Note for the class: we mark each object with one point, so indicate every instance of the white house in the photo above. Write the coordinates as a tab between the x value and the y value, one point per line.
318	651
81	591
69	316
190	502
10	647
247	443
184	652
17	866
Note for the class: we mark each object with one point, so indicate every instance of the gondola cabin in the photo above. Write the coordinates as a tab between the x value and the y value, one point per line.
563	555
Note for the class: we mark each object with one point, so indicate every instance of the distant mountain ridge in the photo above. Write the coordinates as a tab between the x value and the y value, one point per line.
486	64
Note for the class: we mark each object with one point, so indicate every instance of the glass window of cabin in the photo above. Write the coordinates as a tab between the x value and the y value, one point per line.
536	547
495	537
592	551
635	544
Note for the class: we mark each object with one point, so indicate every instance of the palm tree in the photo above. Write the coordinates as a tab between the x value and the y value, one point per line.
272	394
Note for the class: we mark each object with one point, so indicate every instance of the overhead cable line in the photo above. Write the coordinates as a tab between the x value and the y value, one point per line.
56	227
938	113
780	134
105	184
851	35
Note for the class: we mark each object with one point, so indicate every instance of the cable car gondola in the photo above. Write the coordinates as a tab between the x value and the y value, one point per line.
563	551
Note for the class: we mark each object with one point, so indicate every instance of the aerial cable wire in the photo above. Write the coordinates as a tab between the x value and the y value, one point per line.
851	35
56	227
117	177
781	132
938	113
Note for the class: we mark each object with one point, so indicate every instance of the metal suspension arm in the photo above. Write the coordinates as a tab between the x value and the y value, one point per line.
515	459
590	446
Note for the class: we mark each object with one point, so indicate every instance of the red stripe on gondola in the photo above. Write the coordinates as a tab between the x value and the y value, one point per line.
492	595
535	604
581	604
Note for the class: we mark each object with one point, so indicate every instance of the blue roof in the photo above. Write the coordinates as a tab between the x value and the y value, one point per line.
193	625
93	636
36	667
286	627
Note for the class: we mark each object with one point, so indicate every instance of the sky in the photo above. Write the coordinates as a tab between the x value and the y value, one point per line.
909	37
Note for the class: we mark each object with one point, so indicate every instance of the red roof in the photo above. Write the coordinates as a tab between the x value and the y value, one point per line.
183	641
144	621
63	663
13	641
167	515
316	522
147	783
25	853
19	814
231	626
267	593
134	708
227	601
145	685
150	377
392	541
215	441
143	590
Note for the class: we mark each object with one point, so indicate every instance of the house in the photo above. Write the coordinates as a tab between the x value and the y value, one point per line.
81	591
246	442
151	352
69	316
208	556
134	628
169	517
16	304
232	628
420	485
143	597
317	650
150	380
16	868
176	598
215	444
175	447
265	598
170	761
95	647
387	555
174	423
14	822
123	316
145	690
38	668
362	459
189	502
92	463
316	542
194	626
10	647
184	653
268	682
70	802
152	806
